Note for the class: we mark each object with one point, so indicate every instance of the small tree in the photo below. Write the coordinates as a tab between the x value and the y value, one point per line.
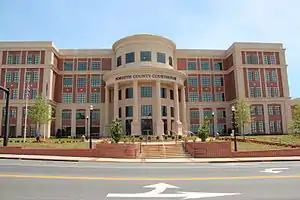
203	131
243	115
116	130
295	124
40	112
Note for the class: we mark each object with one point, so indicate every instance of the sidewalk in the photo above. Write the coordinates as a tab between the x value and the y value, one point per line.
120	160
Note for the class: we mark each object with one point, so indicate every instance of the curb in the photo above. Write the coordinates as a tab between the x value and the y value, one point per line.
40	159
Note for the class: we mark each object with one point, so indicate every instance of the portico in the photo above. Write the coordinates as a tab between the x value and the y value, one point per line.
147	102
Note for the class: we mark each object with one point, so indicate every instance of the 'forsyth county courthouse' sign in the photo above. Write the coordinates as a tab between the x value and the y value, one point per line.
145	76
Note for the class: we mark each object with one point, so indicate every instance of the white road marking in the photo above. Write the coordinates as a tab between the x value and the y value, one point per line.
274	170
161	187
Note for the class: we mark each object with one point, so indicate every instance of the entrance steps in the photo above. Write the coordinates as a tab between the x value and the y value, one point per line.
162	151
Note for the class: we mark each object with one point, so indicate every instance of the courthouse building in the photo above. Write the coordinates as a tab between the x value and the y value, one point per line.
145	81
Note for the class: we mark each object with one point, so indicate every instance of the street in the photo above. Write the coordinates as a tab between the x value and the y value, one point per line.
50	180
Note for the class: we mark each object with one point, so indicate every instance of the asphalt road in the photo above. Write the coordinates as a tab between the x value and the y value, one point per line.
47	180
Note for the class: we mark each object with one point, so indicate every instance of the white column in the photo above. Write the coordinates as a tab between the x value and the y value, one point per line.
73	122
159	128
116	101
135	124
266	118
58	119
19	122
178	124
183	113
106	108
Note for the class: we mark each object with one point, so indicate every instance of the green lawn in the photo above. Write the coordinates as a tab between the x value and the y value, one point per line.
284	139
247	146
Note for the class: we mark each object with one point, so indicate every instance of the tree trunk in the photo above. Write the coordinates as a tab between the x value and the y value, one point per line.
243	131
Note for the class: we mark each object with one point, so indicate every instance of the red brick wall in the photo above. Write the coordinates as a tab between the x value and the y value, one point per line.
228	62
106	63
230	86
209	149
181	64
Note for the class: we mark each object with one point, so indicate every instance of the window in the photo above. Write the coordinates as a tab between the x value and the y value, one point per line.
248	59
95	81
164	111
252	92
16	77
261	126
256	75
120	95
161	57
269	91
81	97
35	77
163	93
219	96
221	114
10	59
172	111
255	59
130	57
193	96
14	94
270	109
120	112
250	76
81	82
68	66
277	110
13	113
194	114
207	96
129	93
205	65
272	60
82	66
119	61
146	91
68	82
95	97
219	81
34	93
13	59
36	59
274	76
170	61
272	126
192	81
67	98
80	114
206	81
276	92
194	128
29	59
259	110
253	127
146	110
96	115
258	92
28	77
129	111
66	115
8	77
218	66
207	113
96	65
192	65
145	55
221	127
278	126
268	76
172	94
266	60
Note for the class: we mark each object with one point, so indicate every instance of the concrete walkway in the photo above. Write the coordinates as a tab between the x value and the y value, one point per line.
177	160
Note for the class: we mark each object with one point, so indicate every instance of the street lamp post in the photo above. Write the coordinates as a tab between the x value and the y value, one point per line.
6	116
27	92
234	127
91	123
213	123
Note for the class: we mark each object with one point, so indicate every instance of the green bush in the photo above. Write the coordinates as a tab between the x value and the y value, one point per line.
179	137
157	137
149	138
116	130
173	137
141	138
203	131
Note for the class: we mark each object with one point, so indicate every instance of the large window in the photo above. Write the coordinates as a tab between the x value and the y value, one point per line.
219	96
192	81
163	93
219	81
13	59
82	66
129	93
81	82
146	91
68	82
35	77
161	57
192	65
130	57
8	77
146	110
95	97
14	94
66	115
193	96
16	77
129	111
95	81
68	66
67	98
205	65
206	81
96	115
164	111
207	96
96	65
194	128
218	66
145	55
81	97
194	114
119	61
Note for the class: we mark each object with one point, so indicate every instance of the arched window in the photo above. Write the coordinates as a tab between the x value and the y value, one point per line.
170	61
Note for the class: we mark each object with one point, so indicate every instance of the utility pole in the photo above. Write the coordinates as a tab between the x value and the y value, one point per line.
6	117
27	90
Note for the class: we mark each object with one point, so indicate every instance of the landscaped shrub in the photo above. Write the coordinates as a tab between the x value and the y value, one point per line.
179	137
116	130
203	131
173	137
157	137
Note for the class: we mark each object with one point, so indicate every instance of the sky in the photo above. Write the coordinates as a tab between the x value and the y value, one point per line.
195	24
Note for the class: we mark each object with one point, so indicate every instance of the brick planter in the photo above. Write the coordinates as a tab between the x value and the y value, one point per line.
208	149
101	151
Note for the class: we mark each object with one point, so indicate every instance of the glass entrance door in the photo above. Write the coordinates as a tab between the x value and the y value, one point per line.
146	127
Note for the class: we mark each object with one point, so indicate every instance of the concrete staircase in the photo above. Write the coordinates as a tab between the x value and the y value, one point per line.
162	151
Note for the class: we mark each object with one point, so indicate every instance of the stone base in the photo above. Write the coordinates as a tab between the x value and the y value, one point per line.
178	128
135	128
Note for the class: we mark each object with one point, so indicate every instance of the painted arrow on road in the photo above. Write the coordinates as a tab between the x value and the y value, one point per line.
161	187
274	170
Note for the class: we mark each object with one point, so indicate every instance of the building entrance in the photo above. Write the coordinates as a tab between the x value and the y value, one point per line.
146	127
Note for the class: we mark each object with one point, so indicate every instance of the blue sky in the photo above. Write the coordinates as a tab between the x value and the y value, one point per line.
201	24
